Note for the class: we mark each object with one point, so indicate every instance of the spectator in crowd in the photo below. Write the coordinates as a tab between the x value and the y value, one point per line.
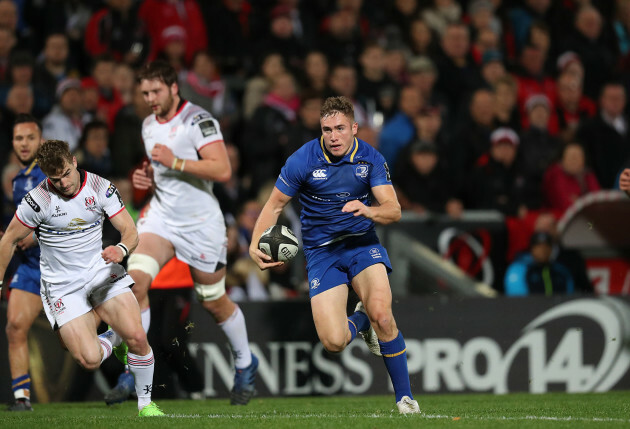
271	66
505	109
124	81
429	128
109	99
341	37
423	75
268	132
400	130
472	138
481	16
402	15
572	107
160	15
20	99
117	30
495	182
532	79
442	13
378	90
569	179
173	42
571	258
93	153
523	16
396	63
456	70
486	40
67	118
21	71
422	183
605	136
420	38
7	42
316	70
203	85
343	81
491	68
570	63
537	273
52	66
592	46
282	39
538	148
307	127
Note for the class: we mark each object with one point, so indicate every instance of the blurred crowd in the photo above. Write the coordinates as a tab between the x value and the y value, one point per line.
510	105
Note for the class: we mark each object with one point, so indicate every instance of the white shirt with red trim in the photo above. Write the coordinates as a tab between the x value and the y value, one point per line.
182	200
70	229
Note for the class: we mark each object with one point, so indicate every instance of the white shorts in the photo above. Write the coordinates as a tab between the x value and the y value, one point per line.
65	302
203	249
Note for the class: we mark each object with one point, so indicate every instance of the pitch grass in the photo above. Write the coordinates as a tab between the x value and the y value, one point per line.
556	410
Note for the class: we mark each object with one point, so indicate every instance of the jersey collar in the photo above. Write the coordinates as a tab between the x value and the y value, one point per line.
351	155
30	167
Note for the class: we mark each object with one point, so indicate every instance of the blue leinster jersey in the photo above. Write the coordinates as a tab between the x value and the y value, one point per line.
24	182
325	187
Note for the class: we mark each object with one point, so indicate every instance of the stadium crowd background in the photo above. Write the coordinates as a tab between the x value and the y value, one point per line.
516	106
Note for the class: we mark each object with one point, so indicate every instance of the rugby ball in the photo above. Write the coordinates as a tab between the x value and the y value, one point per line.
279	242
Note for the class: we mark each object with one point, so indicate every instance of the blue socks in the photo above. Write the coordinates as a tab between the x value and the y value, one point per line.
395	358
357	322
22	386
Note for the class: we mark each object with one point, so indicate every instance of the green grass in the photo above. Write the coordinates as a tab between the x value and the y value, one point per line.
557	410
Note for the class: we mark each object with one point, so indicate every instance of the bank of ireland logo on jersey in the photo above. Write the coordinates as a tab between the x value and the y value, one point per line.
314	283
319	174
361	170
90	203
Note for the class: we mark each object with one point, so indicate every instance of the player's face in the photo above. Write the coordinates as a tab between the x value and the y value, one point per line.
67	180
26	141
338	132
159	97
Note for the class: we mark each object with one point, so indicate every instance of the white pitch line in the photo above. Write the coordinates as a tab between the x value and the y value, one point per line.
393	414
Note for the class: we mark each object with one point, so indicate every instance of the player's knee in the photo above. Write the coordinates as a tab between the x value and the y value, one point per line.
89	361
334	343
137	341
384	321
15	331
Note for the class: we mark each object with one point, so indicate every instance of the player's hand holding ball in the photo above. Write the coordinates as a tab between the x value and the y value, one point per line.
278	244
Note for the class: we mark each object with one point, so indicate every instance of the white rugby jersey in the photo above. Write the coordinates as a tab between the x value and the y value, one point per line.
69	229
183	200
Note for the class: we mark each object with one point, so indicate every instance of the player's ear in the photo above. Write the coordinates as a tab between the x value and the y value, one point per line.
355	128
174	89
74	161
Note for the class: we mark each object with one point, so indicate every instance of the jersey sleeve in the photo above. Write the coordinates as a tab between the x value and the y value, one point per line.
380	172
111	200
30	212
204	129
292	175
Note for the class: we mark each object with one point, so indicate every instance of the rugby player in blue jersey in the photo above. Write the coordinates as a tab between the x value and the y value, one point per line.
345	188
25	303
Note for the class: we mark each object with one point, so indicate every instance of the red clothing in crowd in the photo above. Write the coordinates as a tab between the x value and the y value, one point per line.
159	15
561	189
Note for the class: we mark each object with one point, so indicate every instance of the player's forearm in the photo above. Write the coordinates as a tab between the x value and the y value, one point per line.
7	248
207	169
268	216
387	212
129	237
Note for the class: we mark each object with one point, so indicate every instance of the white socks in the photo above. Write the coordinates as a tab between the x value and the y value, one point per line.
145	315
236	333
108	339
142	369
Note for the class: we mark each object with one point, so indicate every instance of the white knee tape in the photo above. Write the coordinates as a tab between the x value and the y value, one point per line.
144	263
210	292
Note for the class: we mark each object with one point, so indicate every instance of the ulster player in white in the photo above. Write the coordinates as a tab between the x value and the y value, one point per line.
67	211
187	153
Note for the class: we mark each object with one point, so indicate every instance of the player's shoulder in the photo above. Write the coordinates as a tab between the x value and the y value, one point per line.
39	197
192	114
97	183
308	153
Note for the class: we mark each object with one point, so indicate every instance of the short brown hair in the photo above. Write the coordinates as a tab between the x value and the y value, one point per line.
52	156
158	70
334	105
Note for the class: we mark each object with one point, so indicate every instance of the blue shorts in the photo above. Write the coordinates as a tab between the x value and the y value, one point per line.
26	279
338	263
